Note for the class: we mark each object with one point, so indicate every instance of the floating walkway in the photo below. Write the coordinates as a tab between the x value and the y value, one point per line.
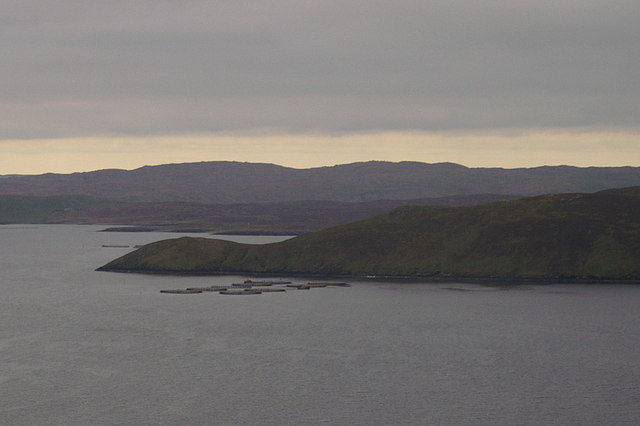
255	287
329	284
241	292
180	291
260	283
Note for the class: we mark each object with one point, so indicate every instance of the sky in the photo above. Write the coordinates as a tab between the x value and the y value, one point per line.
88	84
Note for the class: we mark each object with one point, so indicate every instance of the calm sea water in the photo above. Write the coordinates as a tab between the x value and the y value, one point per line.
79	347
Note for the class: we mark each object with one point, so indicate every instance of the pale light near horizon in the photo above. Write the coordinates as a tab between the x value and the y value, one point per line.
484	149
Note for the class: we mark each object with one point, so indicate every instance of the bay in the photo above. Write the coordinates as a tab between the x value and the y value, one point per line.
81	347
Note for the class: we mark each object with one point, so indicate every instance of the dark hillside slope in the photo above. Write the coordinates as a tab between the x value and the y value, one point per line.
24	209
232	182
566	235
284	217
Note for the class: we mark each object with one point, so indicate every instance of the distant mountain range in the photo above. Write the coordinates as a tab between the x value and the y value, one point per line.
233	182
561	236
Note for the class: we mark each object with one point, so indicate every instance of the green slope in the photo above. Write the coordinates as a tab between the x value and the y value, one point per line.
565	235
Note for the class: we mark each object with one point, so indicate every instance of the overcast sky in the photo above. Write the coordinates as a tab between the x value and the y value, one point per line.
314	72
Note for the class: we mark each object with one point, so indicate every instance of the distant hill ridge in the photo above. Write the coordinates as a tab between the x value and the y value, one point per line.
234	182
283	217
577	236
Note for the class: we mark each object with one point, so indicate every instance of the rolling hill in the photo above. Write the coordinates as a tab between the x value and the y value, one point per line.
570	235
233	182
284	217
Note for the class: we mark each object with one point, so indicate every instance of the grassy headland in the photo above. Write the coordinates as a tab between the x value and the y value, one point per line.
564	235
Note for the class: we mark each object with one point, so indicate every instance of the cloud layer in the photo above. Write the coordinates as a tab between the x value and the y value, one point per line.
86	68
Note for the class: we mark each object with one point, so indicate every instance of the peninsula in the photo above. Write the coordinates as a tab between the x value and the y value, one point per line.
560	236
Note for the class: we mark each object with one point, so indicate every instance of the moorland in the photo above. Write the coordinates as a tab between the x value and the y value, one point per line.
266	198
